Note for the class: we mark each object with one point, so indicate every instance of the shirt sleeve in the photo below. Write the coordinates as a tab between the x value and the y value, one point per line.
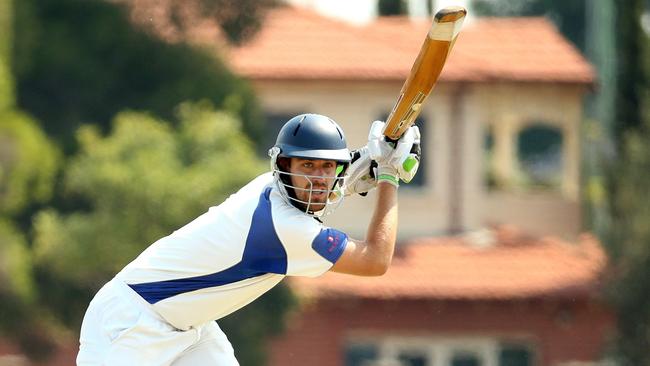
311	248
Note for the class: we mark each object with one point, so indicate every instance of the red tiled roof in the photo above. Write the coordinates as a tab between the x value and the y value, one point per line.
514	267
295	43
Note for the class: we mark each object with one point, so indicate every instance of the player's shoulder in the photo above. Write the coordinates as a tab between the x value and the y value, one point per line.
259	183
252	189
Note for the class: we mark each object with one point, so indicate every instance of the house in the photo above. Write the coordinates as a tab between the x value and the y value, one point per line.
495	299
501	151
506	83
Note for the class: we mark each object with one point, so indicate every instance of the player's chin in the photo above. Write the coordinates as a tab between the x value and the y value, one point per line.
315	207
318	202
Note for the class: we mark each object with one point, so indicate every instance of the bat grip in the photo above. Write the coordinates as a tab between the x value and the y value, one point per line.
415	149
391	141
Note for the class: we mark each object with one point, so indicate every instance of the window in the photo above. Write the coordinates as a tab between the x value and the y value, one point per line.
489	177
539	153
528	159
436	351
413	357
464	358
361	354
515	355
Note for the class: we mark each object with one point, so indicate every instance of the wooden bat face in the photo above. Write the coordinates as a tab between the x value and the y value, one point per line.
425	71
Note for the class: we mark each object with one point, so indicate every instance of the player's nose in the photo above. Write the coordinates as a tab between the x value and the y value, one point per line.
319	173
318	180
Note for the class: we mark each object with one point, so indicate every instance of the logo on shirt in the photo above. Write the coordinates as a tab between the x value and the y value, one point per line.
333	242
330	243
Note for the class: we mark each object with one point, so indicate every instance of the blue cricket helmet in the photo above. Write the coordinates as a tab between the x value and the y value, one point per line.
313	136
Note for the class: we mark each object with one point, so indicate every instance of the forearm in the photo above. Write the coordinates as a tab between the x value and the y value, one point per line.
382	230
373	255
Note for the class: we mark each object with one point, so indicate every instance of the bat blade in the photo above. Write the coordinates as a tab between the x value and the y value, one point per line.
425	70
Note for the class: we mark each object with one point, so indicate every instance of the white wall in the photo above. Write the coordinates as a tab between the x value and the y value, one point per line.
457	116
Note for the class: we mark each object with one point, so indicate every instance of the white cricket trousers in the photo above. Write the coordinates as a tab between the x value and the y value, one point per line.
120	328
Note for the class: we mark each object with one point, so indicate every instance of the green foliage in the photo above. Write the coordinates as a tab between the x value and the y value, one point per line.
20	317
79	61
632	79
568	16
630	249
238	19
15	265
28	163
140	183
629	176
6	82
6	85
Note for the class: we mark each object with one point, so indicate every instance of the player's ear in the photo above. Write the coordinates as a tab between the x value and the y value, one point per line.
284	164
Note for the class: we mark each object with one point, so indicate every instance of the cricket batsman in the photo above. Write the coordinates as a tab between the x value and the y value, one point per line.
163	307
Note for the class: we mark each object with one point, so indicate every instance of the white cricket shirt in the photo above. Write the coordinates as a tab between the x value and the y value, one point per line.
231	255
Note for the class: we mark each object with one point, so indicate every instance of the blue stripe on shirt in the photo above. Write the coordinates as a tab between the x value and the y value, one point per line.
263	254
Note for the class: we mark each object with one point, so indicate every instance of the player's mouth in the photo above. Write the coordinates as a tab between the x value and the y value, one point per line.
319	192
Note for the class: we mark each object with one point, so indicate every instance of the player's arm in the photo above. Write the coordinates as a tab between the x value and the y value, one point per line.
372	256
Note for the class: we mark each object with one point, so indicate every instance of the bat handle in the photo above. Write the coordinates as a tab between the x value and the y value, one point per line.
415	149
391	141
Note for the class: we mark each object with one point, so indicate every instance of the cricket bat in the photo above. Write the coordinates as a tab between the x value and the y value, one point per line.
425	71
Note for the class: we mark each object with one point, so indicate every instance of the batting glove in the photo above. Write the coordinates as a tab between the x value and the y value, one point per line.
391	157
409	167
360	176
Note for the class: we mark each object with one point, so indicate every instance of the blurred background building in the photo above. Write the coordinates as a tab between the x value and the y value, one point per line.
501	136
501	132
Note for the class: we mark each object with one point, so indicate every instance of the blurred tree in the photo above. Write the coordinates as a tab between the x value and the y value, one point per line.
238	20
568	16
79	61
633	81
15	276
130	203
21	319
139	183
629	175
28	163
629	247
6	84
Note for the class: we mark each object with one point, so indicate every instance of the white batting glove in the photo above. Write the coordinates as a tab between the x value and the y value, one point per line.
409	167
394	160
359	177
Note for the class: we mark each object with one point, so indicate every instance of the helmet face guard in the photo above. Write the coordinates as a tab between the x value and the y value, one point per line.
311	137
333	192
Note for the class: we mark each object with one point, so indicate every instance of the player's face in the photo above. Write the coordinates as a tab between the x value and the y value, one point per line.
322	174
